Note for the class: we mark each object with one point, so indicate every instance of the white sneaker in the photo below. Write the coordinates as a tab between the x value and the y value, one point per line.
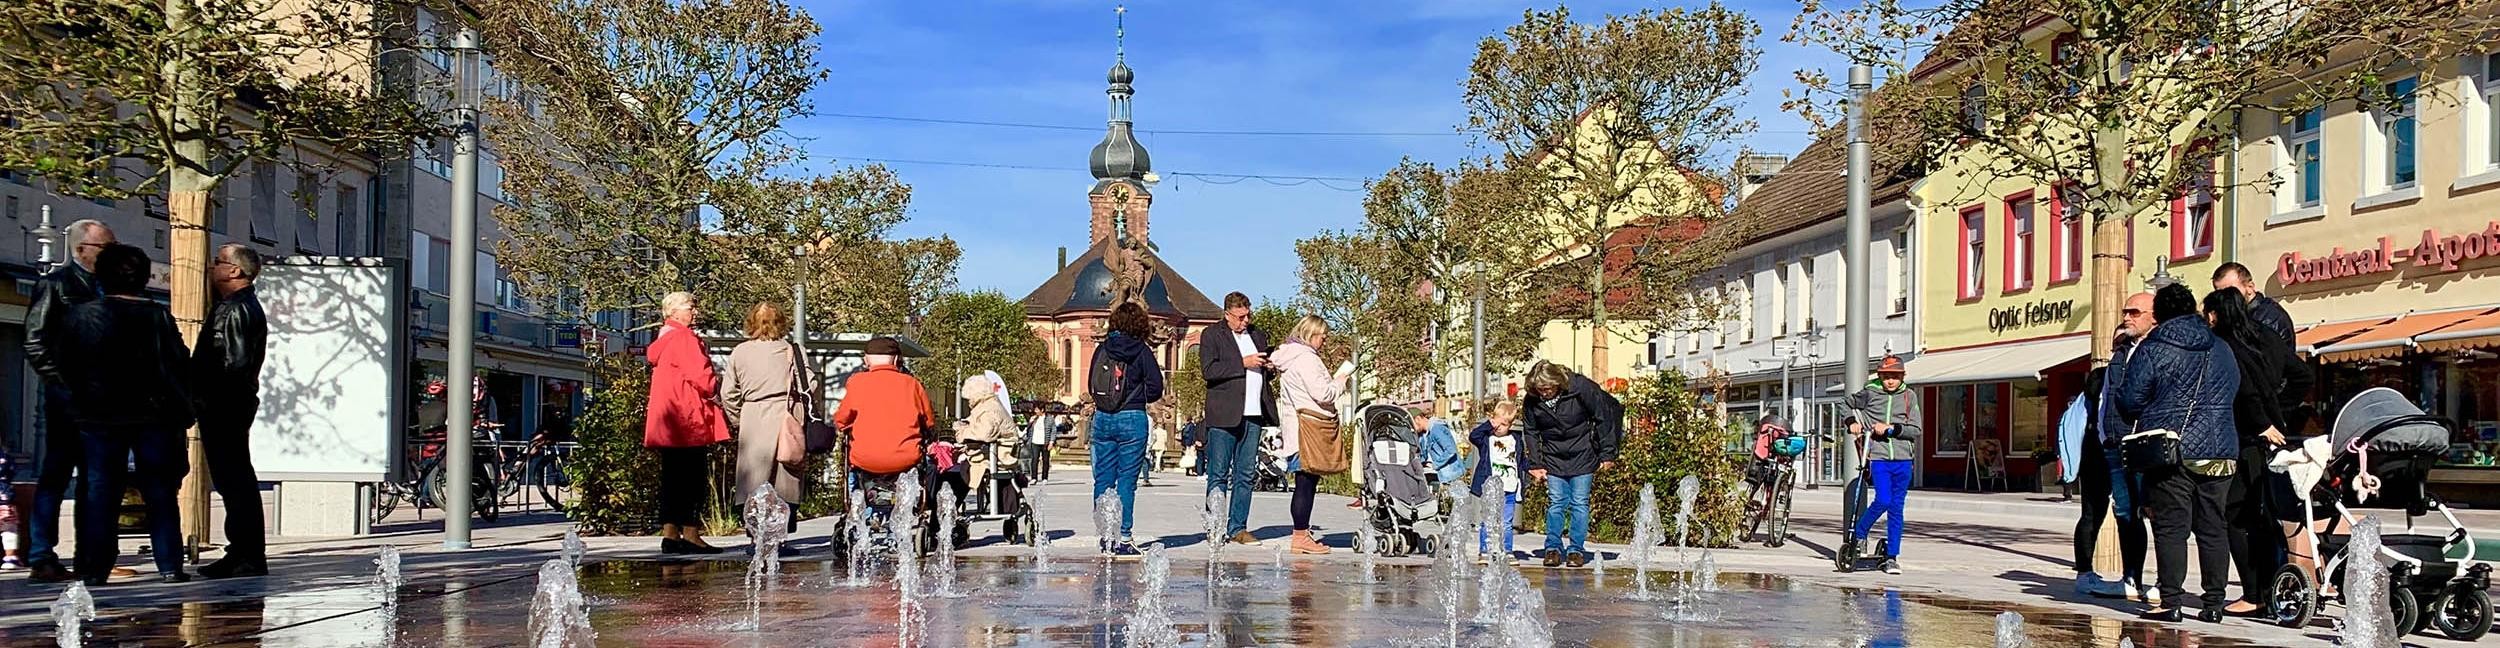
1892	566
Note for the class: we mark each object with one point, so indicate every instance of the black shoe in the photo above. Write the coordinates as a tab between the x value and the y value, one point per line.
1553	558
673	546
235	568
174	577
698	550
2165	615
50	571
1576	560
1124	550
96	581
2209	615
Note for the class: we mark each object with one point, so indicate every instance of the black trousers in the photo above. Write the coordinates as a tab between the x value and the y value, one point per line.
2098	497
226	440
2184	503
1305	489
2257	541
685	481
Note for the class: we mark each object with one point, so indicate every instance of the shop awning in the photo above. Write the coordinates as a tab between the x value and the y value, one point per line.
2017	361
2480	332
2323	334
2396	338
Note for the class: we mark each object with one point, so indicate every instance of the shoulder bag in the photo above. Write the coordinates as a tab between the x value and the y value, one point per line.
802	433
1322	452
2150	450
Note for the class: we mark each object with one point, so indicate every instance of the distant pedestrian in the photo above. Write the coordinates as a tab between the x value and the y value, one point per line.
762	388
1311	437
1497	474
2111	493
1570	430
1193	437
1885	415
2179	389
1124	380
1240	407
1158	444
681	424
225	388
124	362
1038	432
60	289
9	558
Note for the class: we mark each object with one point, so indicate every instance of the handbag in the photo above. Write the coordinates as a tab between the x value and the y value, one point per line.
802	433
2151	450
1322	452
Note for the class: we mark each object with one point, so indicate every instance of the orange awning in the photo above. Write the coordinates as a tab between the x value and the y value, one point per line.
2396	338
2324	334
2479	332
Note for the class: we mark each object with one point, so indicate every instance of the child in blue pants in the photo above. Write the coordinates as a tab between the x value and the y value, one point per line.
1886	415
1891	481
1497	473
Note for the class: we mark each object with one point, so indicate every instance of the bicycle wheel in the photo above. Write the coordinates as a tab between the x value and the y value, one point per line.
386	497
510	473
484	488
1780	502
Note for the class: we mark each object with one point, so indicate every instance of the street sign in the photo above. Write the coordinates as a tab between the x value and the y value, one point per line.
1787	348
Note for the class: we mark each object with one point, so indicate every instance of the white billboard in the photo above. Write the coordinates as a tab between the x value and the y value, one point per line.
334	383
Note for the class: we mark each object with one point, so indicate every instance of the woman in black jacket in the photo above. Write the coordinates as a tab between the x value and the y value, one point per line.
2256	540
121	362
1569	430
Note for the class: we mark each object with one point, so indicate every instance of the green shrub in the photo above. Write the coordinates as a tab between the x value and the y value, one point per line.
1668	434
618	480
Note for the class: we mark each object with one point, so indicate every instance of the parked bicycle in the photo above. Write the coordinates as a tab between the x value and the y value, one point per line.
425	479
1771	481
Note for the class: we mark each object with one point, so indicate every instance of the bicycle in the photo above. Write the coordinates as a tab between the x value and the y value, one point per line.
539	464
1767	498
426	478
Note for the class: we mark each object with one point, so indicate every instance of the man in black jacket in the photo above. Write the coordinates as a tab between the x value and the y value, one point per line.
1570	429
225	383
66	286
1239	406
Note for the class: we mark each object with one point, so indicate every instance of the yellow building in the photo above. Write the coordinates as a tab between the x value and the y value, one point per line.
2379	230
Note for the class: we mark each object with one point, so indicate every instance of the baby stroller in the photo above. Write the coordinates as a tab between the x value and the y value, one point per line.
2383	450
1275	469
1395	494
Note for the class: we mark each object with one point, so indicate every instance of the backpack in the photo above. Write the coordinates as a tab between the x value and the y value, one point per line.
1108	382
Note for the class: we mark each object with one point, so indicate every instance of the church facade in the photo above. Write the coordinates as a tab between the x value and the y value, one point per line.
1071	311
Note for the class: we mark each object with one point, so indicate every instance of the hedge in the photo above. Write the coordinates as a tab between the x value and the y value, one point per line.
1669	433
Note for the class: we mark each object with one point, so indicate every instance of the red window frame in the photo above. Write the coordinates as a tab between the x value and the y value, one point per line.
1970	281
2188	244
2018	272
2067	240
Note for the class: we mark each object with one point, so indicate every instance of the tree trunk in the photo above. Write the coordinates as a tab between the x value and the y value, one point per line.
2110	263
1597	304
187	210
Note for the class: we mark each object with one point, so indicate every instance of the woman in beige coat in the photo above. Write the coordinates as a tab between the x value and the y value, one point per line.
761	384
1309	390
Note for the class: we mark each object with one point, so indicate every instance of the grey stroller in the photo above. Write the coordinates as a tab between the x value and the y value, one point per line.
1396	497
2383	450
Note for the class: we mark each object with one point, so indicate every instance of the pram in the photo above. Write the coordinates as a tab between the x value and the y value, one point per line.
1275	473
1396	496
2383	450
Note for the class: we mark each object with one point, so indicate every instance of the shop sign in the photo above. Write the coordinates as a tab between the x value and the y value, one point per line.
2033	314
2434	251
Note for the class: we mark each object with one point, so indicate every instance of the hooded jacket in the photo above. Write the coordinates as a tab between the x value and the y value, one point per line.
1304	384
2183	379
1147	384
1570	434
1900	409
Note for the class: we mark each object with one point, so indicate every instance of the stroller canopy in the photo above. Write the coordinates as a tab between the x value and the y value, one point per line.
2375	413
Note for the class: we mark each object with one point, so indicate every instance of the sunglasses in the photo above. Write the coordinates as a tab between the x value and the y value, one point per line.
2131	311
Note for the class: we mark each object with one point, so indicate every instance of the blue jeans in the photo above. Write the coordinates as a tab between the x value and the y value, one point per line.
63	451
1891	480
1567	503
1232	456
1119	446
2124	487
1510	512
163	459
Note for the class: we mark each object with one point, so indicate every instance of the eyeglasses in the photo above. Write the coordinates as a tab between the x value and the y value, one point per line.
2131	312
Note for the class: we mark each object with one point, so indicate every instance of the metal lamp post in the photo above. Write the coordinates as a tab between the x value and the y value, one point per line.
462	355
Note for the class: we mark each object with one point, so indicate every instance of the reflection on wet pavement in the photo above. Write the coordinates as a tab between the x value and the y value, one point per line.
702	603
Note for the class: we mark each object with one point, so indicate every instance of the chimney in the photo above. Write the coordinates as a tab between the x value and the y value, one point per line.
1063	257
1757	169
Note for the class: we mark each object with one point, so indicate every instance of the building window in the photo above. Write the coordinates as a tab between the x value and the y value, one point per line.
2392	163
438	273
433	157
1805	294
2018	242
490	176
2065	238
1975	108
307	213
1783	291
434	39
2488	82
349	219
1740	299
1901	271
2305	146
2192	217
1972	252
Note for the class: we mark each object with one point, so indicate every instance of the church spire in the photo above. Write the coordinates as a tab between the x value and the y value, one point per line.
1119	155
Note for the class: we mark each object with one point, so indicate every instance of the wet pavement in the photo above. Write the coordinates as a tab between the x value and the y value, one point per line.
704	603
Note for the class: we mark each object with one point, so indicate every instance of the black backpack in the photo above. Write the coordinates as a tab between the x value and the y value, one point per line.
1108	382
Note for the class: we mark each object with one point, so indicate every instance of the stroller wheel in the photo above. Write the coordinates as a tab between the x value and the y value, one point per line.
2295	601
2408	609
2463	614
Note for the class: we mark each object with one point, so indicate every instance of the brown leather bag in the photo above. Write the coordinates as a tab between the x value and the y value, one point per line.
790	449
1322	452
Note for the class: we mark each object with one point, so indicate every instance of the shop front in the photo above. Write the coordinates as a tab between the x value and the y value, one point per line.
1991	411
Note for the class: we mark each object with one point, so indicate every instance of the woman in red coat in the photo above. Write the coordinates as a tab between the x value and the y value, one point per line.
683	422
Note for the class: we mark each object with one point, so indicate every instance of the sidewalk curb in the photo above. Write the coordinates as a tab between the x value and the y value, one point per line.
1922	501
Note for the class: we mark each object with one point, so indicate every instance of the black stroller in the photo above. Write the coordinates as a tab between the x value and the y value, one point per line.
2383	448
1396	495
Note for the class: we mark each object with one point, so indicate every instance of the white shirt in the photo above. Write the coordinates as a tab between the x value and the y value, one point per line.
1256	390
1505	462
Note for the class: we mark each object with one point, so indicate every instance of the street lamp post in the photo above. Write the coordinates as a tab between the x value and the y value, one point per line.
459	460
1854	341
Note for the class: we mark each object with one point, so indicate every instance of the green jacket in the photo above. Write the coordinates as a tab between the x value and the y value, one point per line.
1872	405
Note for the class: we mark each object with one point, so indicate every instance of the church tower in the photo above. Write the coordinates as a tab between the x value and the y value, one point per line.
1123	173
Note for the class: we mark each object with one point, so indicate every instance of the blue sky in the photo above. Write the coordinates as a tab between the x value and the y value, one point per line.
1364	66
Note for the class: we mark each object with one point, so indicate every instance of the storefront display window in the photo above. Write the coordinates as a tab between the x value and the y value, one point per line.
2476	441
1953	421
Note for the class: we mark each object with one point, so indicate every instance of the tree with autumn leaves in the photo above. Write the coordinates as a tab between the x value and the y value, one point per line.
2125	105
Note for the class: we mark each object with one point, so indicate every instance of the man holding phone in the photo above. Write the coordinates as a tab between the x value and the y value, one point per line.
1239	406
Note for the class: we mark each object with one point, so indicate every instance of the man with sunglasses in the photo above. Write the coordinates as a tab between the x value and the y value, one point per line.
2107	485
66	286
225	385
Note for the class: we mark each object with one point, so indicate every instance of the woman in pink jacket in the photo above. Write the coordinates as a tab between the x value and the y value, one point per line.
682	423
1310	395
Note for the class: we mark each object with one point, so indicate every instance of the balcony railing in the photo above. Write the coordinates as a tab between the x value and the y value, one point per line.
497	324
